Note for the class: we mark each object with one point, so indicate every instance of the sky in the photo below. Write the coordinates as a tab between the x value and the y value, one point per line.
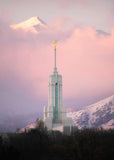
84	30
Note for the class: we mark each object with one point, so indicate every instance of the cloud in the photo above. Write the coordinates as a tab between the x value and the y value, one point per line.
88	63
66	3
84	58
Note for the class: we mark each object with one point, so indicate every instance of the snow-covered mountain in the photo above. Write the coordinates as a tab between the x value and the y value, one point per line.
34	25
100	114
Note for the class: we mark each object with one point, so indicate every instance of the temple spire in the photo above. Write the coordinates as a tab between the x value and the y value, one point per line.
55	68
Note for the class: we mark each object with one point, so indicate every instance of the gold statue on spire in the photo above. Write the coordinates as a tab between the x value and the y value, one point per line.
55	44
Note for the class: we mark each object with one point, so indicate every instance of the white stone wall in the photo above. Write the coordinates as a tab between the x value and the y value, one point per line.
49	123
49	111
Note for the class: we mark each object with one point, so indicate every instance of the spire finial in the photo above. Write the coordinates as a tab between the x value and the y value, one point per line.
55	44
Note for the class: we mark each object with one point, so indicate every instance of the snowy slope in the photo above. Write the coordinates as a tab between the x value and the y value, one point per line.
109	124
95	115
34	24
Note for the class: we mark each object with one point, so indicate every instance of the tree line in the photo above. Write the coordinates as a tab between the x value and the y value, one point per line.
41	144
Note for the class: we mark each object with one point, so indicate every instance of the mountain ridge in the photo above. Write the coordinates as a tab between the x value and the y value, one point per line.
95	115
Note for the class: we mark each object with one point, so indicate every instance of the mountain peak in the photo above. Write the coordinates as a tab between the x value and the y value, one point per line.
33	24
34	21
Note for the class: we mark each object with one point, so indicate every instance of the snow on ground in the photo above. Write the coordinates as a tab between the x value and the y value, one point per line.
108	125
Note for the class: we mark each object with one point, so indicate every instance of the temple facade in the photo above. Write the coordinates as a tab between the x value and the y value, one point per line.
55	113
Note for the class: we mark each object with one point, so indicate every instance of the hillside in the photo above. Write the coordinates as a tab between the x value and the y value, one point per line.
100	114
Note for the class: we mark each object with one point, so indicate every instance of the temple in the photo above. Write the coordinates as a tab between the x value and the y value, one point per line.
55	113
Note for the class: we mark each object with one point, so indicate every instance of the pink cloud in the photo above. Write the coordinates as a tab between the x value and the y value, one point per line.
88	63
84	58
67	3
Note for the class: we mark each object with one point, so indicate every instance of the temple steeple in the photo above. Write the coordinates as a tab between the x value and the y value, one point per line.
55	68
55	112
